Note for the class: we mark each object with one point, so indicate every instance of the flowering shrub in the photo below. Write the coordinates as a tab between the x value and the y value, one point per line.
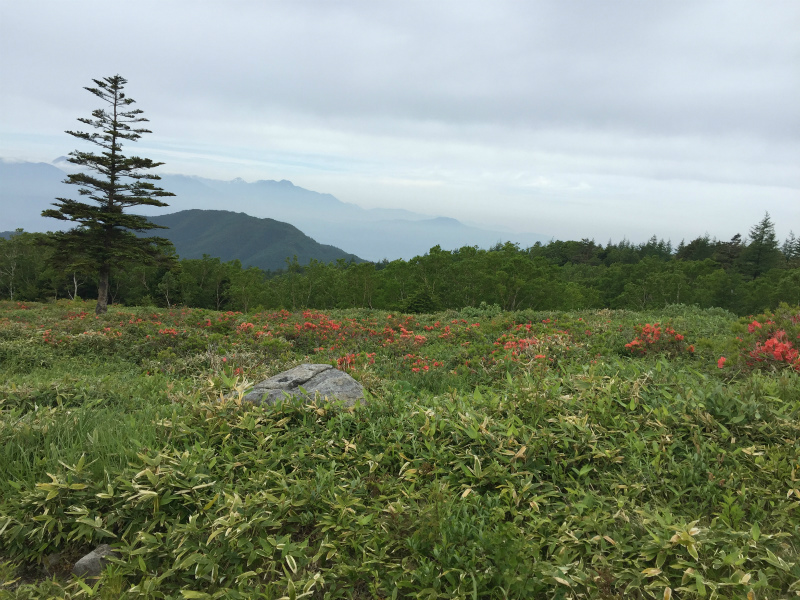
777	349
459	351
421	364
658	339
771	340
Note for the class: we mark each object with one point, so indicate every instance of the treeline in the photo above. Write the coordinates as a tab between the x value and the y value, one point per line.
741	275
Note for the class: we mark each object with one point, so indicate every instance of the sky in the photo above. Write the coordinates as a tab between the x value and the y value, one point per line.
580	119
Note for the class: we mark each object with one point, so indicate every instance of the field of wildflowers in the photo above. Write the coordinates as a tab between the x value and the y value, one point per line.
593	454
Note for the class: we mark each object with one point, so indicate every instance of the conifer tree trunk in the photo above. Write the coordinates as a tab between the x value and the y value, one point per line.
102	290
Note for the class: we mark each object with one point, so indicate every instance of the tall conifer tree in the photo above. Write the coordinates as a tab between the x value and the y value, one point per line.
103	239
763	251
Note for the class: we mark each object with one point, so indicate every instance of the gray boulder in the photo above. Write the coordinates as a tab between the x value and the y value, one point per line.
314	379
93	563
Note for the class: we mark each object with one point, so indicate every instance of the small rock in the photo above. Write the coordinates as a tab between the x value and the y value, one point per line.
52	562
93	563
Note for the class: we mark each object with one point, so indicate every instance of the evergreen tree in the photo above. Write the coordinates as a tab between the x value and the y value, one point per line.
791	250
103	239
763	252
727	253
699	248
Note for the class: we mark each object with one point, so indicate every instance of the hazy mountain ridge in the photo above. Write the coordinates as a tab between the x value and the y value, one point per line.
26	189
372	234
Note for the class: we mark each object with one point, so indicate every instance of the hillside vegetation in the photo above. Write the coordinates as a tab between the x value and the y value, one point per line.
526	454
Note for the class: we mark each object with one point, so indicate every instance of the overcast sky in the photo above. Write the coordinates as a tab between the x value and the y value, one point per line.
571	119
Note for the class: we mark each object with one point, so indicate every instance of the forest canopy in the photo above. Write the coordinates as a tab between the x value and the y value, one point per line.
743	275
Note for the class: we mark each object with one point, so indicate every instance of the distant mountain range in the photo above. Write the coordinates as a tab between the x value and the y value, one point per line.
373	234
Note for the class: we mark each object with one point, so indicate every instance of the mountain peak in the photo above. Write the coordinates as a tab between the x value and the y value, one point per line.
449	221
282	182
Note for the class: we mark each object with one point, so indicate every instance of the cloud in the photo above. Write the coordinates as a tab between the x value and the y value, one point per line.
509	112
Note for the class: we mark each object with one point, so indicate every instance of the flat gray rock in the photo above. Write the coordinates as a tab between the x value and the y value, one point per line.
93	563
324	380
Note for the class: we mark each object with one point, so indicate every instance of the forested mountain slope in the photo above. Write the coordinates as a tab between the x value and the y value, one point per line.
262	243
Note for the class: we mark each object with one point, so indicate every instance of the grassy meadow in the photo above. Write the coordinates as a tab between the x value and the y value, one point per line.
596	454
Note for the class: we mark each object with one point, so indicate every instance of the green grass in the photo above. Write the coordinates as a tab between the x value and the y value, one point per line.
58	414
534	458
